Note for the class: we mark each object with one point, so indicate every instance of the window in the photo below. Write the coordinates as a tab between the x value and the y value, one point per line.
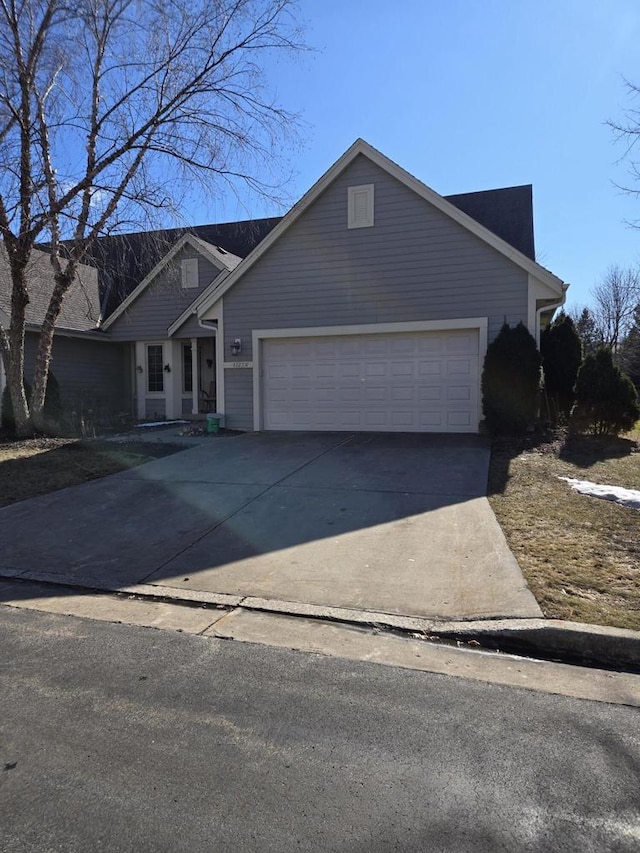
189	272
360	206
187	364
155	374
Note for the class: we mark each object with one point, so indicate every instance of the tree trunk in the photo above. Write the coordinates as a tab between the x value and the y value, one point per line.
45	347
14	357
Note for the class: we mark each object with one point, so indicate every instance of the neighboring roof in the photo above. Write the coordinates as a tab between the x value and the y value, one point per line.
80	307
221	260
507	212
124	260
454	210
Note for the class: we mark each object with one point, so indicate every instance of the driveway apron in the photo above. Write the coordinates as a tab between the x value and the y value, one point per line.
387	523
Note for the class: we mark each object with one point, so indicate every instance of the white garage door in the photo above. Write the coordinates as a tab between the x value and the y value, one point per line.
406	382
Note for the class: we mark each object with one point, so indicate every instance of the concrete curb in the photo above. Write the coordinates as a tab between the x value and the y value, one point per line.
570	642
550	638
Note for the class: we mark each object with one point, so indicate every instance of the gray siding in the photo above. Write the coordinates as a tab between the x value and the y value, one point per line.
155	410
192	329
163	301
238	400
92	374
414	264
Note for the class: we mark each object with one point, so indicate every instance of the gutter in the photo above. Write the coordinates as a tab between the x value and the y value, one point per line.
553	306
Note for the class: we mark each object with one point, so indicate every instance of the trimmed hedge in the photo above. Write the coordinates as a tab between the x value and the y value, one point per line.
561	350
511	381
606	399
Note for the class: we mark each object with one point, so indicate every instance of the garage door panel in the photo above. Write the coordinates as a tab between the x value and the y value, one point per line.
459	367
401	369
430	393
376	395
403	393
459	392
429	368
458	419
375	369
418	381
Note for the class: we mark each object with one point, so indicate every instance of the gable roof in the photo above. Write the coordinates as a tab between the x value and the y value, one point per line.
451	209
80	307
124	260
221	260
507	212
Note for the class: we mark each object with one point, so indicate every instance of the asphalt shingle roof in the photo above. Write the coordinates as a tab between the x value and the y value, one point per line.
508	212
123	260
81	304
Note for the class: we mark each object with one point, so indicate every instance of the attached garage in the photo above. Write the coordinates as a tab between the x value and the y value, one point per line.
424	380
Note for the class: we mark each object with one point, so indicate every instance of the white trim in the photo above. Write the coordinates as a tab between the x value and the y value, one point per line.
259	335
140	355
219	351
88	335
192	310
200	246
425	192
552	307
147	392
537	290
353	221
195	379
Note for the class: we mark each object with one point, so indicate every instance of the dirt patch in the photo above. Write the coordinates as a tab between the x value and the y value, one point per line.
580	555
36	466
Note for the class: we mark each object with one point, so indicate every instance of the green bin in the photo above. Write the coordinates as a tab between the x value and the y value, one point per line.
213	423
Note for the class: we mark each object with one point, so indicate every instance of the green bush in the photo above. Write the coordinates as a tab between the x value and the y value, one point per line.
52	406
606	400
511	381
561	350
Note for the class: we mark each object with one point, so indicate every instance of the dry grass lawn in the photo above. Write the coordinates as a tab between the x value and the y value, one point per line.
579	554
39	465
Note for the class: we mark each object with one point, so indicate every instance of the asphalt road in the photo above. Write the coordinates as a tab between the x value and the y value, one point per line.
119	738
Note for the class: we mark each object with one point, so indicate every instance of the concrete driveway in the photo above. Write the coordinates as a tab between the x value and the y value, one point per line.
389	523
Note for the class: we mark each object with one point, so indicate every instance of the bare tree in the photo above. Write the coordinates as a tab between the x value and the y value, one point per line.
615	299
627	135
106	108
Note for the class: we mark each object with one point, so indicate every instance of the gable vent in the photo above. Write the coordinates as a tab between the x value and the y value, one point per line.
360	206
189	272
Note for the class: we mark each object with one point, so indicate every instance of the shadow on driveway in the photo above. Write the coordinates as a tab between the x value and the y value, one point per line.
391	523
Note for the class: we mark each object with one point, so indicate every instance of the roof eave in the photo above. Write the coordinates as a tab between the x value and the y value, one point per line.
360	146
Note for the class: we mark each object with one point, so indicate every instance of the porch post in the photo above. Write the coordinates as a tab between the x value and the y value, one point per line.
195	386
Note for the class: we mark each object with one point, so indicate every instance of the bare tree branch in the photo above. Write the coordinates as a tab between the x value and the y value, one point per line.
164	91
615	299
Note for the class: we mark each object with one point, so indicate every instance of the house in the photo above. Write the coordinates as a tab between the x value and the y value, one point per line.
369	306
92	373
171	352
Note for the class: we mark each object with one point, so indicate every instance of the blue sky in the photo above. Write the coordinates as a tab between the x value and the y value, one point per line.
475	94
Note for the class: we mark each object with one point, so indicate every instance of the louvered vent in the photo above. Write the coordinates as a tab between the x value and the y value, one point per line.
360	202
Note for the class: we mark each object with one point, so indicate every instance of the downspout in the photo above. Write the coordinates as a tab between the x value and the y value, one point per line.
552	307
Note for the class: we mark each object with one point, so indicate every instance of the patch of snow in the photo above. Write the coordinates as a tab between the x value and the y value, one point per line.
618	494
160	423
